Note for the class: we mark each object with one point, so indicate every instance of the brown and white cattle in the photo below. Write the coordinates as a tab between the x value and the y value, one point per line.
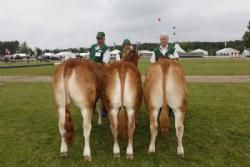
79	81
165	85
122	98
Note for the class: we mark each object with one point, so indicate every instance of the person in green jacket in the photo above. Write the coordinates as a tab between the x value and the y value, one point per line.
164	50
99	52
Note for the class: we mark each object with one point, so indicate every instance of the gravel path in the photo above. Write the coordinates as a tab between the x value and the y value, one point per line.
190	78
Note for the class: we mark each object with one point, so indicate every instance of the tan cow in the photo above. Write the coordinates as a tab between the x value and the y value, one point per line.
80	81
165	85
122	99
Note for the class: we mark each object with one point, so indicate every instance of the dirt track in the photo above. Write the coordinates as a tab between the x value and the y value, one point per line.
25	78
190	78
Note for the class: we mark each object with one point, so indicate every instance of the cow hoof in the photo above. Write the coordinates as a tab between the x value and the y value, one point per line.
180	152
181	155
64	154
116	155
87	158
151	152
151	149
130	156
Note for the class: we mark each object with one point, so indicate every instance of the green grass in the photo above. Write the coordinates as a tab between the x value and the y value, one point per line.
216	66
41	70
209	66
191	67
216	130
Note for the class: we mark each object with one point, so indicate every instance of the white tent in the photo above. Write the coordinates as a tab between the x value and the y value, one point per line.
65	55
19	55
178	48
85	55
200	51
228	52
145	53
48	55
246	52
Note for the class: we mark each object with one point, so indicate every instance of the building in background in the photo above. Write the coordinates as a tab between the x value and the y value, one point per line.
65	55
229	52
84	55
146	54
200	52
246	53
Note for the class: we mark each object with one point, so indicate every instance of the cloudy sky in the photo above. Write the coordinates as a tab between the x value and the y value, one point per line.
74	23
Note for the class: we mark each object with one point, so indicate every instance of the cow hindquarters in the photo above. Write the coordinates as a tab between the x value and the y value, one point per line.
132	102
84	95
153	96
65	124
177	100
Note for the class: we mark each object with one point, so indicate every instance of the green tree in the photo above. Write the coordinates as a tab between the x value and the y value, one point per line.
38	51
55	51
81	50
12	46
47	50
246	36
23	48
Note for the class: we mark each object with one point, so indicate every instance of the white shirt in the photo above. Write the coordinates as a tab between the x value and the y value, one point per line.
106	55
163	51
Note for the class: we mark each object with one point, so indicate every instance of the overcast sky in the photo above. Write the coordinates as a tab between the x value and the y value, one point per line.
74	23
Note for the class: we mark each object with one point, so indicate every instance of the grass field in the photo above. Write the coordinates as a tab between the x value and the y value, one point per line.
191	67
41	70
217	130
209	66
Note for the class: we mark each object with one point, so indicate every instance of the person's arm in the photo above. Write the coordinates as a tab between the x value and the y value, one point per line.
106	56
152	59
174	56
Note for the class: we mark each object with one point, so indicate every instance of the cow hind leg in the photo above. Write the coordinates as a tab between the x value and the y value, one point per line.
113	119
131	129
153	115
99	110
62	130
87	117
179	126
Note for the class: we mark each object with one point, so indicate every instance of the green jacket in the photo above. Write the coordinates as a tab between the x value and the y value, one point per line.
170	51
96	55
